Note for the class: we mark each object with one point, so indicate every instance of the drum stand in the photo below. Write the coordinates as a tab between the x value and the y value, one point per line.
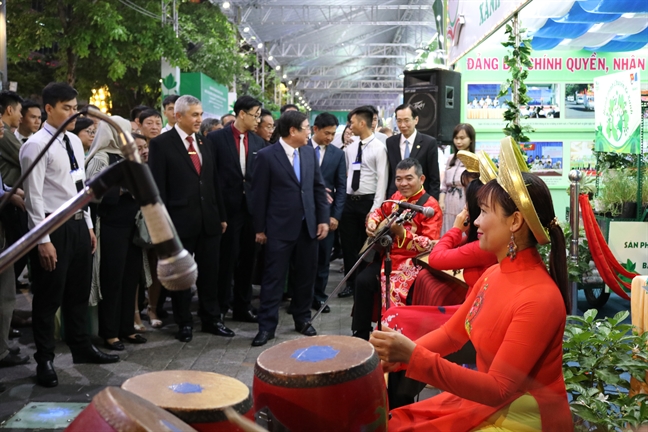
383	240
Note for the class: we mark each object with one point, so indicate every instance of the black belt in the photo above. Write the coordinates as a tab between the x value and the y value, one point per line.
76	216
368	197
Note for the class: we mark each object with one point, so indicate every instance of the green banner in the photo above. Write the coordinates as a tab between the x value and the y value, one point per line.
213	96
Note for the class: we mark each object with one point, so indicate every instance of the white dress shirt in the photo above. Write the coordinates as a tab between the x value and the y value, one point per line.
290	151
50	184
373	170
183	136
20	136
166	128
410	140
322	150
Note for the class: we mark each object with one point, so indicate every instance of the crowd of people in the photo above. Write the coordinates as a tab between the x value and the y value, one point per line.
281	196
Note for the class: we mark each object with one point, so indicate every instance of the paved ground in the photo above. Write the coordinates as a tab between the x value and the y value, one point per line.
233	357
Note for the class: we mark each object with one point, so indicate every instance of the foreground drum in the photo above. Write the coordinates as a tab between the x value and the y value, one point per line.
116	410
197	398
321	383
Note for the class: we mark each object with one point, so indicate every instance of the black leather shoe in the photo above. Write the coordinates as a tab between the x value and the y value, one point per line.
115	346
245	316
136	339
14	350
218	329
262	338
346	292
46	375
185	334
305	329
13	333
336	254
93	355
318	304
13	360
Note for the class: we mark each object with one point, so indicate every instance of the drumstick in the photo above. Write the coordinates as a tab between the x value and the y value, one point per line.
242	422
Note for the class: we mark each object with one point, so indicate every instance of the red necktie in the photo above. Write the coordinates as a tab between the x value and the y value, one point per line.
193	154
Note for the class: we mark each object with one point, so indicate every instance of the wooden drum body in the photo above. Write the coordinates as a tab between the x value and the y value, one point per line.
116	410
321	383
197	398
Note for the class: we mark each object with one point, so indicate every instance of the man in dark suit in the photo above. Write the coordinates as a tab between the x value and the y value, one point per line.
235	147
333	168
184	169
414	144
291	213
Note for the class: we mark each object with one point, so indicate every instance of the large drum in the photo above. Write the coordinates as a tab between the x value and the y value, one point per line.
321	383
116	410
197	398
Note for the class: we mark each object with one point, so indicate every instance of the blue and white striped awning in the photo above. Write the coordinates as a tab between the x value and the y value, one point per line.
595	25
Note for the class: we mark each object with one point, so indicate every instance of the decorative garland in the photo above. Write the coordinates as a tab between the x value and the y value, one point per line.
518	58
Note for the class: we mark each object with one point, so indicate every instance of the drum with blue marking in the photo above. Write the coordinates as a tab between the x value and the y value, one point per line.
320	383
195	397
116	410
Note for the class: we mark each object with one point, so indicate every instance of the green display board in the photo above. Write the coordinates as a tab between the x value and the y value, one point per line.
212	95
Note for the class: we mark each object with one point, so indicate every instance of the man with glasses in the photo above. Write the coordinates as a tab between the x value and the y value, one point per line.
414	144
291	213
266	126
236	147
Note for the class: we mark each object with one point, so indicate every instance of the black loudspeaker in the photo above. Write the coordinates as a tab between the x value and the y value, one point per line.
436	93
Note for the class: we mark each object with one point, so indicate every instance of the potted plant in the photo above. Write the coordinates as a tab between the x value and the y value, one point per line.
599	358
619	193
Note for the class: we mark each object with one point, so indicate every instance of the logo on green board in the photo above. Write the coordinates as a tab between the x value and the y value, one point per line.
617	117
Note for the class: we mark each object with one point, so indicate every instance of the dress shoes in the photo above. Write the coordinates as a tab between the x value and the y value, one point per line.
13	360
46	375
245	316
318	304
336	254
114	346
93	355
262	338
13	333
185	334
306	329
346	292
218	329
135	339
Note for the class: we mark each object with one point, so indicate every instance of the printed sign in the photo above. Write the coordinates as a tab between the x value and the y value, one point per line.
629	245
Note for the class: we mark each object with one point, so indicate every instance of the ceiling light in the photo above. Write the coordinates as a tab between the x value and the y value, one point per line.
260	45
226	5
289	82
278	67
296	93
285	76
246	29
253	38
270	58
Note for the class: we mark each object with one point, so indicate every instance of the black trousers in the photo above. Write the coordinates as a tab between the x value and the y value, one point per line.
324	248
367	285
237	261
67	287
279	255
119	273
206	249
352	232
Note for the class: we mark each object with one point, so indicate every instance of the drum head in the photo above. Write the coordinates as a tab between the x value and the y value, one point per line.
316	361
126	412
194	396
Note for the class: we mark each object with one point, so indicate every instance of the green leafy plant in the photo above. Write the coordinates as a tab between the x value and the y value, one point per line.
578	269
599	357
619	186
518	58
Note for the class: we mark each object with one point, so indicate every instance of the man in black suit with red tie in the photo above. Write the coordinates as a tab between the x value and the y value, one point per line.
235	148
414	144
184	169
291	213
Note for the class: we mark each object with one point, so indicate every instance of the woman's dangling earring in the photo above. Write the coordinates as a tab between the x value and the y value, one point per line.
512	248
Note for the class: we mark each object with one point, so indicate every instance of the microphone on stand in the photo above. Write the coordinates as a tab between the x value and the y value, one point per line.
176	268
428	212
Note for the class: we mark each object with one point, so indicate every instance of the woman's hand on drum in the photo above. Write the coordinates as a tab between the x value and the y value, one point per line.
462	221
392	346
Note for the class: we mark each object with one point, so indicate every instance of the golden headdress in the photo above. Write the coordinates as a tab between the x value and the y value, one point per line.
479	163
510	178
469	159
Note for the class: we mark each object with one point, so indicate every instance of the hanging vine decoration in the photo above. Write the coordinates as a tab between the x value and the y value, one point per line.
518	60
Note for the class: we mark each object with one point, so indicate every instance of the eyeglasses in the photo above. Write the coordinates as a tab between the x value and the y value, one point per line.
269	128
91	132
256	116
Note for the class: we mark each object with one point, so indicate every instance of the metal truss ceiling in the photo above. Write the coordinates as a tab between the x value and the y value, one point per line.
341	54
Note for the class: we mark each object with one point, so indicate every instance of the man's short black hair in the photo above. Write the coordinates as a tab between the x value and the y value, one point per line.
265	112
287	107
8	99
290	119
27	105
82	123
373	109
364	113
208	124
404	106
325	120
135	112
245	103
54	93
169	100
148	113
408	163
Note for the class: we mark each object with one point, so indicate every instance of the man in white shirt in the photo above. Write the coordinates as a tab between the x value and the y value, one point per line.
367	174
168	107
62	261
